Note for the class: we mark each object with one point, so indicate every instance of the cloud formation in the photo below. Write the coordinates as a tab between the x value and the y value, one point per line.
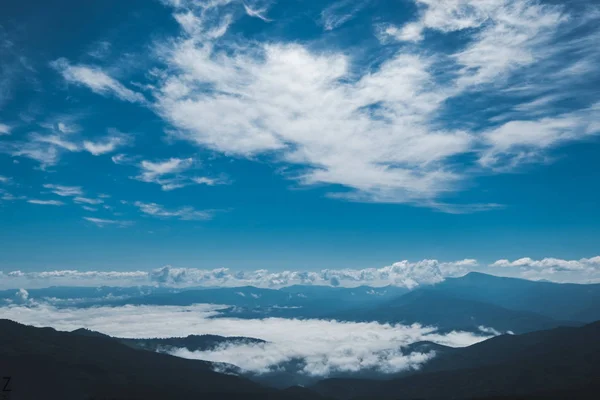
108	144
322	347
403	273
587	269
48	148
184	213
4	129
166	173
46	202
96	80
86	200
378	129
100	222
64	191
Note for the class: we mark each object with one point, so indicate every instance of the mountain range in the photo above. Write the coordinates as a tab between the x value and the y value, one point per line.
473	302
559	363
45	363
552	364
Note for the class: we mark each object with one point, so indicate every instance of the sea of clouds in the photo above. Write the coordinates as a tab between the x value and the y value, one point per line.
321	348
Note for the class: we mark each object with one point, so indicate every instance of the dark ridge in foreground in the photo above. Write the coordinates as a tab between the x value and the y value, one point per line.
562	363
190	342
44	363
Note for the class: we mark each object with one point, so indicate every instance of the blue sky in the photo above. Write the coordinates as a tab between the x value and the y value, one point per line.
299	135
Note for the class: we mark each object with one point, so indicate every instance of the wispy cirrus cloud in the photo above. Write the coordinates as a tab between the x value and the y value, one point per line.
96	80
48	148
380	141
341	12
184	213
46	202
100	49
390	131
4	129
254	12
62	124
78	195
205	180
64	191
87	200
101	222
107	144
172	165
170	173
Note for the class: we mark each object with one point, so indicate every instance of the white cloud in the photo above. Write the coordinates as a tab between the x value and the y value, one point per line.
341	12
448	16
280	100
403	273
87	208
488	330
172	165
4	179
67	129
6	196
55	140
97	80
551	263
100	147
371	130
256	13
65	124
410	32
100	49
122	159
41	279
107	144
516	142
104	222
584	270
45	149
166	173
377	130
86	200
204	180
64	191
4	129
46	155
184	213
323	347
46	202
22	295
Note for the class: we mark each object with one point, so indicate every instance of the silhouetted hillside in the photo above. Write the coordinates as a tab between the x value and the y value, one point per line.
559	363
190	342
45	363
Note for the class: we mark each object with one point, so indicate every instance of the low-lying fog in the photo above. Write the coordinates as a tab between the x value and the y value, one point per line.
318	347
